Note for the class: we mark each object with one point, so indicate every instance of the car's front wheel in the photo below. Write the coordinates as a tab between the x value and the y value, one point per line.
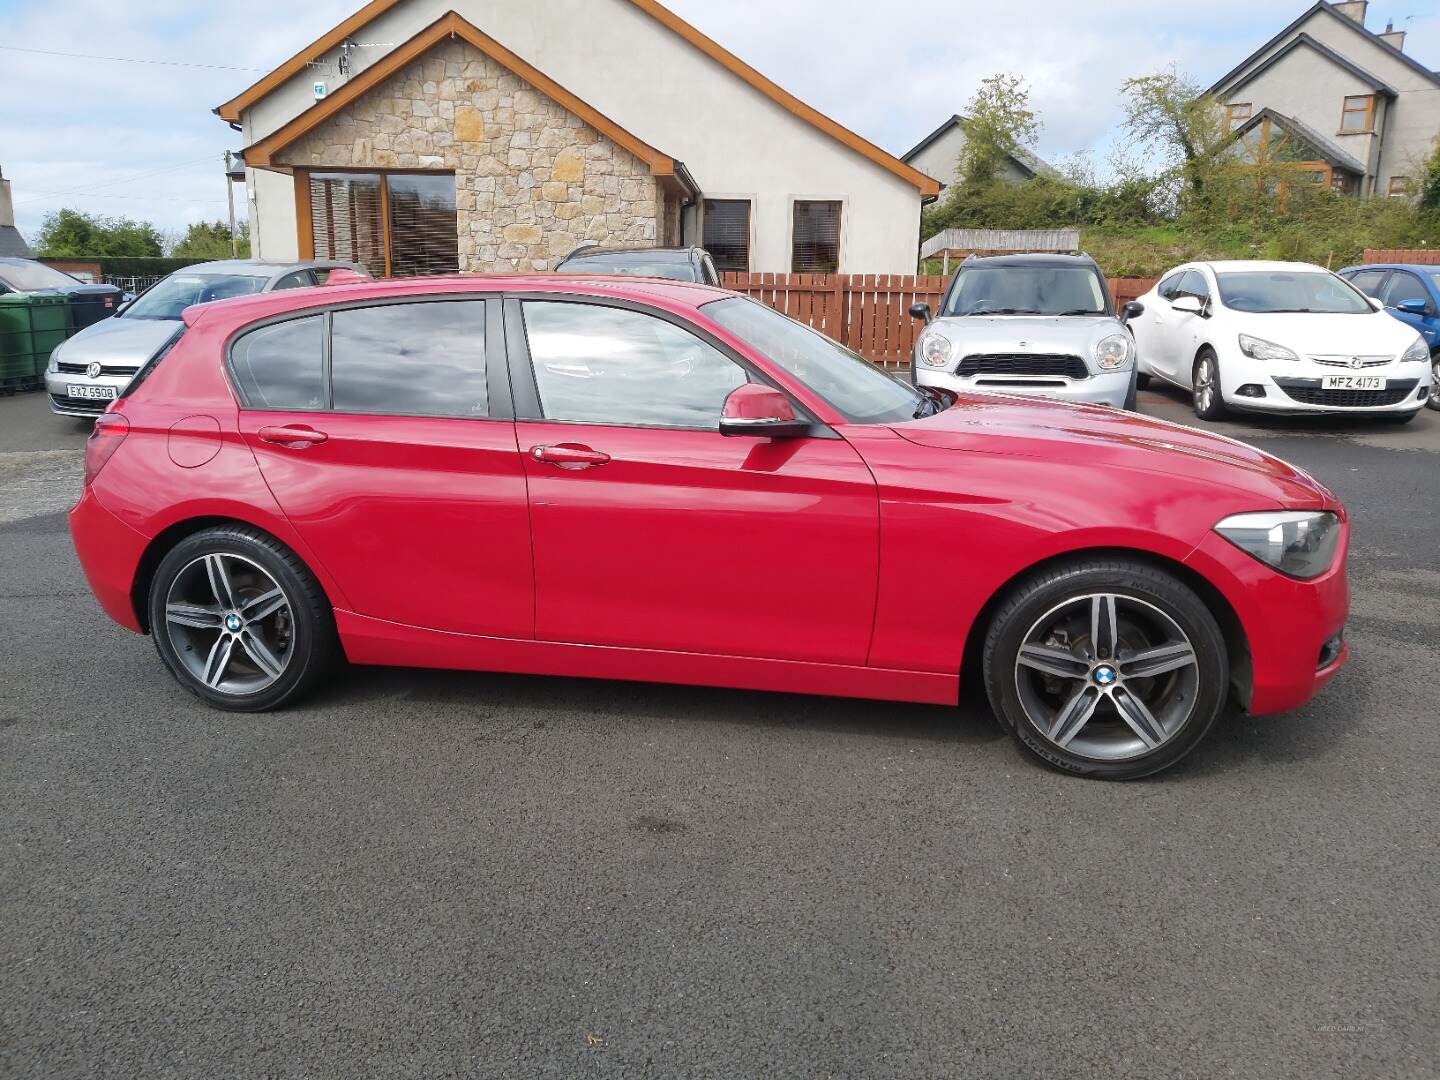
1434	399
1106	668
1208	402
240	621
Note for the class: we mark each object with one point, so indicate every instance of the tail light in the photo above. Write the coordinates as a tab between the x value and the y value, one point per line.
110	431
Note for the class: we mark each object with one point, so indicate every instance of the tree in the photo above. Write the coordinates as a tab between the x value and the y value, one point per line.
1168	113
999	123
71	234
211	240
1430	181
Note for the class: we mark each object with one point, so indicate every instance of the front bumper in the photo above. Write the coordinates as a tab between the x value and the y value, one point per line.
57	385
1290	625
1298	389
1111	388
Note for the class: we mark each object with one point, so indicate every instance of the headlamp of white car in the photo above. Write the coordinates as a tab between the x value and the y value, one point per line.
1417	353
1300	543
1260	349
54	365
936	351
1114	352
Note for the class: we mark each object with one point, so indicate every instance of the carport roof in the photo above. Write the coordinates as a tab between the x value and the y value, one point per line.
1329	152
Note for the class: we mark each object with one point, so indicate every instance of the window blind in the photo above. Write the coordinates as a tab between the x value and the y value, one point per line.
727	234
423	231
346	219
816	241
349	213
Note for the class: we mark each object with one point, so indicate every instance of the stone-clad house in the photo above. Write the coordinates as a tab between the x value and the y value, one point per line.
503	135
1338	102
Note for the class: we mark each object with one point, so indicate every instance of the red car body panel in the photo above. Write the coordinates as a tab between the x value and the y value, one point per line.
854	566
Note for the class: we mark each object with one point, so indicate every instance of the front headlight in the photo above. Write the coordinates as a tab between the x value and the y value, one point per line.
935	350
1260	349
54	365
1113	352
1300	543
1417	353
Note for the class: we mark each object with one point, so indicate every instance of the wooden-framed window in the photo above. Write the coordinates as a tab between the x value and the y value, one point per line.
1237	114
395	224
727	234
1398	188
1357	117
815	241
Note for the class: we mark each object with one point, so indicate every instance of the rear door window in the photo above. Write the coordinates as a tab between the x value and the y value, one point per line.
281	366
1402	287
417	359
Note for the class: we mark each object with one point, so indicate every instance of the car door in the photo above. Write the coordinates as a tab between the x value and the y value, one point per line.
1188	328
384	431
1153	329
651	530
1402	286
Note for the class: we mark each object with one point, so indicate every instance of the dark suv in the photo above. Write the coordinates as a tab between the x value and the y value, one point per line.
677	264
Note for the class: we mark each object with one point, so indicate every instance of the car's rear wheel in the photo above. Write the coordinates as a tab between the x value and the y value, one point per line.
1106	668
1209	404
240	621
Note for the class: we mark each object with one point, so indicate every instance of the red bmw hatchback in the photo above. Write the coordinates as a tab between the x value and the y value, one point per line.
634	479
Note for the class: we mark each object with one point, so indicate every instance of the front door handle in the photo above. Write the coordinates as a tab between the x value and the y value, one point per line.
295	436
572	456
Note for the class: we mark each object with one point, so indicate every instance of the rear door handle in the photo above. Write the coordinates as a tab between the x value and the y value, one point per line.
295	436
571	456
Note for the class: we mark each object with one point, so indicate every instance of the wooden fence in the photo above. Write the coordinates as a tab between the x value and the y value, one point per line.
1419	256
869	313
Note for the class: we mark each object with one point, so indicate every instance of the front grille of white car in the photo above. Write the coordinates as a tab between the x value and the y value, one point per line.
1349	361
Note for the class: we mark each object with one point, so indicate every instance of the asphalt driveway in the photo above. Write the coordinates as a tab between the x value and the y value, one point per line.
427	874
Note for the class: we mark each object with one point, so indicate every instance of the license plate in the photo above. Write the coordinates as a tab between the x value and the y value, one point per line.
92	393
1352	382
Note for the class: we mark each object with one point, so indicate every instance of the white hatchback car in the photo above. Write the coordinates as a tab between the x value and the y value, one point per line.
1281	338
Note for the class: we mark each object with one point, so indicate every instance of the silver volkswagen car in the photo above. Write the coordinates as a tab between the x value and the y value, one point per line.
91	369
1029	324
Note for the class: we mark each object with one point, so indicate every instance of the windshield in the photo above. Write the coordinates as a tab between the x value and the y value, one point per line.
1271	292
640	264
170	297
858	390
1027	290
33	276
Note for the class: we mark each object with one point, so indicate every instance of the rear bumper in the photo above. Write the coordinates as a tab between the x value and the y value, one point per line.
1289	625
109	552
1108	389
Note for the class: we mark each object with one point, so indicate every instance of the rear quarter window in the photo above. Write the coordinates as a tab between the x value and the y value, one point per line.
281	366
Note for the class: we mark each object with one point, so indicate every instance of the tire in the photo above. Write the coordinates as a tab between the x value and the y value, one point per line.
1130	402
277	621
1142	380
1433	401
1152	612
1207	400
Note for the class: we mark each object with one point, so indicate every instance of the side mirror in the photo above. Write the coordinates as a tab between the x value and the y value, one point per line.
1413	307
1189	305
1133	310
921	312
760	412
1375	304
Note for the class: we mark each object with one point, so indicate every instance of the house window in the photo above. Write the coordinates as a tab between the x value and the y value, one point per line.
393	224
1358	116
1399	187
727	234
815	245
1237	114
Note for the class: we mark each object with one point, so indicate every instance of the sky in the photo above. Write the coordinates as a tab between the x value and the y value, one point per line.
139	140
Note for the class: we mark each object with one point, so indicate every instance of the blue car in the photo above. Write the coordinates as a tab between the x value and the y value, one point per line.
1411	294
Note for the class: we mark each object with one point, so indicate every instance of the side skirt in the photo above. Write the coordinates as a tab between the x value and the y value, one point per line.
387	644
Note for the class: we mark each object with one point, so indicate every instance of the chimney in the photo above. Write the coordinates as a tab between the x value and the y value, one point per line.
7	208
1394	37
1353	9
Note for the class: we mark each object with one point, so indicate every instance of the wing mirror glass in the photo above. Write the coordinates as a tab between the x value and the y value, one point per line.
757	411
1190	305
921	312
1413	307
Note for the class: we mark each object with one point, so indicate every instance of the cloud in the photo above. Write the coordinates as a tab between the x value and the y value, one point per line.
77	132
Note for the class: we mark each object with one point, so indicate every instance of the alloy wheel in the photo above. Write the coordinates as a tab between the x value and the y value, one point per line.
1204	385
230	624
1434	401
1107	677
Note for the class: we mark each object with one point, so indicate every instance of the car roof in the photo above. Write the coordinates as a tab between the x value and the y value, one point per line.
587	252
1243	266
663	292
257	267
1417	268
1040	258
